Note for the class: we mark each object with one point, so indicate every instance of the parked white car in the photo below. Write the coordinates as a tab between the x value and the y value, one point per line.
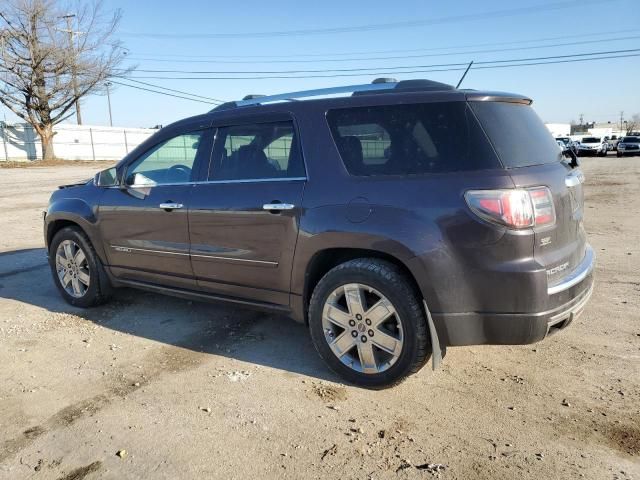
592	146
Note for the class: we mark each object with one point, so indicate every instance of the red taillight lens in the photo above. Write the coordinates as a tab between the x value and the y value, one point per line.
513	208
543	209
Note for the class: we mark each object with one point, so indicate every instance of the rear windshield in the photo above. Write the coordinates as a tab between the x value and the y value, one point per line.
517	134
410	139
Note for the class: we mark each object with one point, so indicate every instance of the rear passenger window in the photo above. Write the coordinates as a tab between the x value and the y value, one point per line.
257	151
410	139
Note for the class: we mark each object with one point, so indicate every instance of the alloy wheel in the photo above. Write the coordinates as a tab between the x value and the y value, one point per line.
362	328
72	268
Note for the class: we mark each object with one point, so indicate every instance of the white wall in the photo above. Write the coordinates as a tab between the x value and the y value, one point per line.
559	129
20	142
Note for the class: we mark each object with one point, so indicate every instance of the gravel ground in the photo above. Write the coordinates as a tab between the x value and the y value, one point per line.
156	387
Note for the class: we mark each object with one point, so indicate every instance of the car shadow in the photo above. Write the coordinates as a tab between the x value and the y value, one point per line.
262	338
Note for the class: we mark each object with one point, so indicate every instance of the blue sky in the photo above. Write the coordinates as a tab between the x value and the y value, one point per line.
597	89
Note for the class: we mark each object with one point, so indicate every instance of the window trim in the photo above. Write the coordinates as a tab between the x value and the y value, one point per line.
255	120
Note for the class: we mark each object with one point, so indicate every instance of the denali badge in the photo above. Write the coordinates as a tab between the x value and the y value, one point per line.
545	241
557	269
122	249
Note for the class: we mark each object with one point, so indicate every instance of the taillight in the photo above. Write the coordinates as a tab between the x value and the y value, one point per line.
543	209
513	208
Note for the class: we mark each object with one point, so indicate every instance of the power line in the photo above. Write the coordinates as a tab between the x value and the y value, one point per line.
373	73
380	26
216	100
380	69
448	54
162	93
370	52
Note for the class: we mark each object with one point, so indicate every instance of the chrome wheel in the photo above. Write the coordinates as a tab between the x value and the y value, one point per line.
72	268
362	328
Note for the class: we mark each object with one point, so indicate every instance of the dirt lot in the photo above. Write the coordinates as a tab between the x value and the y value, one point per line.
191	390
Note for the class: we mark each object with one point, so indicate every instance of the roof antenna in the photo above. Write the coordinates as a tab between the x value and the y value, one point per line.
464	74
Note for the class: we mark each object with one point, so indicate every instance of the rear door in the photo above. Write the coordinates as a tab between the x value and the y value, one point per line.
244	220
528	150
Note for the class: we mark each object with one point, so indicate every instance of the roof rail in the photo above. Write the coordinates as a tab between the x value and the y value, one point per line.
368	87
379	85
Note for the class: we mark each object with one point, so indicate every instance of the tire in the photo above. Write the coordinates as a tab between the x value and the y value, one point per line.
77	292
405	330
618	154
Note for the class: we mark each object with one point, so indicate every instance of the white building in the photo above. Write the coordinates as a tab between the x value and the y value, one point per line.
559	129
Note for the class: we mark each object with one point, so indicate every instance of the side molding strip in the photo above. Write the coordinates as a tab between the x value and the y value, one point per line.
119	248
436	353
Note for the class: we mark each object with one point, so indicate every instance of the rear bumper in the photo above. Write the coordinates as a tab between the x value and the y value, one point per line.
513	328
589	152
581	272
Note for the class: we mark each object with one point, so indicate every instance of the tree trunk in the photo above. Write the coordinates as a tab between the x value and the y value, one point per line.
46	138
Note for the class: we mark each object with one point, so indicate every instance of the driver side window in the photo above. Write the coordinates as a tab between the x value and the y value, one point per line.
168	162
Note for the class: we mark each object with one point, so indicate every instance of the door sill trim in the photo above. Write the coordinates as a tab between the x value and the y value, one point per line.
205	297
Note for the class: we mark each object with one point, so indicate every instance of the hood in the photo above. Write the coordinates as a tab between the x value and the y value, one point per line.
77	184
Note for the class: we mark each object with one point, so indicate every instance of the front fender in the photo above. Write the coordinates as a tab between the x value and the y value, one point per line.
75	210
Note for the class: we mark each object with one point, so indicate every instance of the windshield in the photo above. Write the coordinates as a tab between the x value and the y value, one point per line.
631	139
590	140
517	134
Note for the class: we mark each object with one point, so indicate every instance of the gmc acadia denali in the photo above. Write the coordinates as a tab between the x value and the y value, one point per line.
395	221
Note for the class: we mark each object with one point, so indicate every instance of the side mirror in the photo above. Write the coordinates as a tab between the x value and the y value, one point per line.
107	178
569	153
139	180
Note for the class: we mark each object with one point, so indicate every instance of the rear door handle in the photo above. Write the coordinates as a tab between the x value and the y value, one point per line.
171	206
278	206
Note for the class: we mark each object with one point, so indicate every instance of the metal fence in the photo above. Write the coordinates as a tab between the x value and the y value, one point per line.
20	142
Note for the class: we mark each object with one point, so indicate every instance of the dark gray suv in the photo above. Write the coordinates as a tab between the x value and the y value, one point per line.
396	221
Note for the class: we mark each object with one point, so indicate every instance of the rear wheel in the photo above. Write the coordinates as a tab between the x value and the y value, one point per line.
368	324
77	270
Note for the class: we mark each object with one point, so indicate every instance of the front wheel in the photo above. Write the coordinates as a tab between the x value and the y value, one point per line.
77	270
368	324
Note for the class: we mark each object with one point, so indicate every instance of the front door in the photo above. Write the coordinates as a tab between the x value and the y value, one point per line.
244	219
145	224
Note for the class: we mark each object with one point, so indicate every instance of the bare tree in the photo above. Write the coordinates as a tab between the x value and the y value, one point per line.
633	125
46	66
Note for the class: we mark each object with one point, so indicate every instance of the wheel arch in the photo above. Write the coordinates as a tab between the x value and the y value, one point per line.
324	260
72	213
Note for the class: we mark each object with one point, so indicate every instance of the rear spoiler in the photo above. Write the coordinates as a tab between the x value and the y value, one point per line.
497	97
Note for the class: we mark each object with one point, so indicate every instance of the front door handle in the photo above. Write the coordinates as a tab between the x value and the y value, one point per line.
278	206
171	206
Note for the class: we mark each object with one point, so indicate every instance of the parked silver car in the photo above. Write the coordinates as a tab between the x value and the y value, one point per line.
629	146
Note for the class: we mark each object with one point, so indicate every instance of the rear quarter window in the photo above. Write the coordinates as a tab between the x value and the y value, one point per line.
517	134
410	139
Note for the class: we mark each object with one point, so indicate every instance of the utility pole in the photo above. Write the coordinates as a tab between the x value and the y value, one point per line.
108	84
621	119
72	49
581	118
